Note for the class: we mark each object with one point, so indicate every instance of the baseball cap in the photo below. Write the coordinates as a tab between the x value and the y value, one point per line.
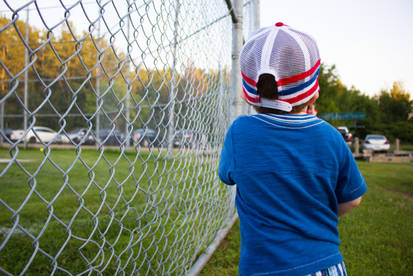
291	56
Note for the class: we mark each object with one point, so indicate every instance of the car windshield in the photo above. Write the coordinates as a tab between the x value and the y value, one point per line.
184	132
41	129
342	129
147	131
76	130
375	137
104	132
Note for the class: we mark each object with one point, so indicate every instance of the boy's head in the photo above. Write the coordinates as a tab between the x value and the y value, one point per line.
279	67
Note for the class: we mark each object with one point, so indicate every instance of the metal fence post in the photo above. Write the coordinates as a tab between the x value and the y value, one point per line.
128	84
97	126
2	122
236	103
172	95
26	77
255	16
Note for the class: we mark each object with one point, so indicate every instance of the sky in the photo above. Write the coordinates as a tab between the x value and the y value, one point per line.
369	41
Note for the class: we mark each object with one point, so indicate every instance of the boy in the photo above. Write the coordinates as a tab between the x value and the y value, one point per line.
294	173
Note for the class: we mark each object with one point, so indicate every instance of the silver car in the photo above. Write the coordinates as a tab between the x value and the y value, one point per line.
38	134
376	142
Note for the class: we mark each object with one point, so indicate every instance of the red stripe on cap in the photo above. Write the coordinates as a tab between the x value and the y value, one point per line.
280	24
251	99
298	77
302	96
248	80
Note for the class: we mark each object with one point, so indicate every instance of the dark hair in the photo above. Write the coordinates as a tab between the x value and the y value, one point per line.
267	88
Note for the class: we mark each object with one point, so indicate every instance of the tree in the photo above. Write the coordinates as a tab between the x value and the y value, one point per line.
62	73
395	104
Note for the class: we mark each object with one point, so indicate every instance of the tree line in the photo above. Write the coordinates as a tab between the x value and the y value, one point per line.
73	75
74	78
387	112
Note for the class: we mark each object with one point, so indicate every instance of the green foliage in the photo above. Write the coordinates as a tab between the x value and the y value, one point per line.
386	114
395	104
72	77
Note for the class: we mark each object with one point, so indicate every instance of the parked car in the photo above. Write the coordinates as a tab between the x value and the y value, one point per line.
111	137
376	142
347	136
38	134
6	132
145	137
82	135
189	138
183	138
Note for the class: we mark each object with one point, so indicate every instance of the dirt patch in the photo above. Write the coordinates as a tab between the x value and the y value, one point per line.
400	193
4	160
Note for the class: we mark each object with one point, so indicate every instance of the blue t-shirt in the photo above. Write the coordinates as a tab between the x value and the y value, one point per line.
291	172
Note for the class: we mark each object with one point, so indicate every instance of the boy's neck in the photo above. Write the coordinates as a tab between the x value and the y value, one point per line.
302	111
298	113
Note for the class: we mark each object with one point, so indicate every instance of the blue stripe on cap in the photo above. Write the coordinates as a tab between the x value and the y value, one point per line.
299	87
249	88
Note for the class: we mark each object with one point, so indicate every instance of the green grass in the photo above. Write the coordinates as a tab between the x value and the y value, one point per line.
376	237
406	147
138	211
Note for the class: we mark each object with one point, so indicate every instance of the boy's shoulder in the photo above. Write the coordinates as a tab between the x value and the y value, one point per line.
240	121
287	125
284	121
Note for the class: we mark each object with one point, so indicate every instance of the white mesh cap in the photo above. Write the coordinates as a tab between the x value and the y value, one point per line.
289	55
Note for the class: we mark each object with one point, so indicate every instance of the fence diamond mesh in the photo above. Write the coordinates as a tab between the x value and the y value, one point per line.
118	110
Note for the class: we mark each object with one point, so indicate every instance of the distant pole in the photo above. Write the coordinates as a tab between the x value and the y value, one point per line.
255	16
172	91
26	76
397	147
128	84
2	122
97	126
220	89
357	146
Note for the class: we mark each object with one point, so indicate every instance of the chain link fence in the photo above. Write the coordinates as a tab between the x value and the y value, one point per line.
112	117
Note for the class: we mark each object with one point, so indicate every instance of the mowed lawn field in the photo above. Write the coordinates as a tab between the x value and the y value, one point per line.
117	211
376	237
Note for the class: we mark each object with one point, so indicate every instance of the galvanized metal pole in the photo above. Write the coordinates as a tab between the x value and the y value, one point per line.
26	77
254	12
97	126
255	16
128	85
220	89
172	93
2	122
236	101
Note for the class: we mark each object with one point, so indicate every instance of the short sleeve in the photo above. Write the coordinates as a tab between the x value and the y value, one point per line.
351	184
226	163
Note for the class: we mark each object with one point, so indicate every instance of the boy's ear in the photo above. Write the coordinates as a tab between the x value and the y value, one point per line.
314	98
245	99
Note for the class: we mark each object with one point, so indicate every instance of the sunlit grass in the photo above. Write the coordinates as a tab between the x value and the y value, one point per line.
117	211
